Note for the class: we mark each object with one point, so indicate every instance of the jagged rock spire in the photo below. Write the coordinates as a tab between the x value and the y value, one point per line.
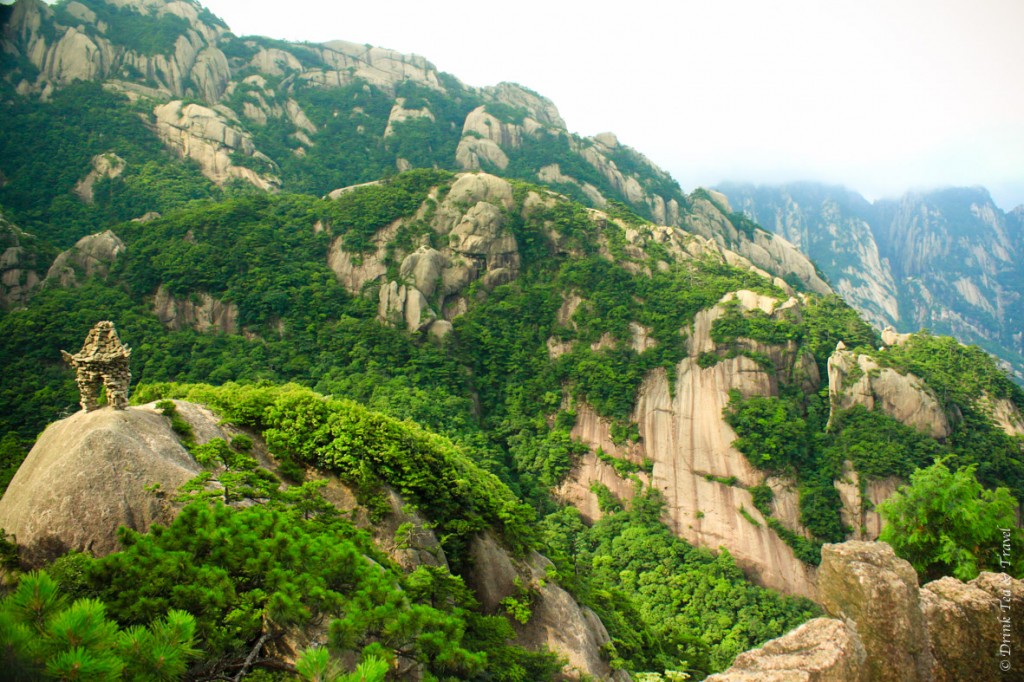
102	362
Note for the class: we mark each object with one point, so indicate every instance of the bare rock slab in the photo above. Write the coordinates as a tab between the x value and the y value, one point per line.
87	475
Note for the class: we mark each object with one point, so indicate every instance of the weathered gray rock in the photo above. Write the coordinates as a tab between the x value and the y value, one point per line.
860	504
855	379
399	114
422	269
91	256
960	617
201	312
864	583
474	153
405	306
768	252
820	650
87	475
21	266
885	628
686	438
556	619
107	165
103	363
195	132
482	232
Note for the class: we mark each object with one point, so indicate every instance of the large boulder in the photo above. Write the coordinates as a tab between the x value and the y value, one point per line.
91	256
92	473
820	650
201	312
21	265
208	137
885	628
865	583
975	629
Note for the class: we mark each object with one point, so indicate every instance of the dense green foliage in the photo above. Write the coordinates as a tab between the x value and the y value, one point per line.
878	445
473	431
255	573
43	635
967	381
146	34
667	605
369	450
51	149
946	523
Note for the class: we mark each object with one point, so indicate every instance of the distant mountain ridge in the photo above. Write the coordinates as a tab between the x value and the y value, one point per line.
948	259
297	117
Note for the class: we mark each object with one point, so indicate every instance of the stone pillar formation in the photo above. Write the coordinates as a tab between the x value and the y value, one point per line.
102	362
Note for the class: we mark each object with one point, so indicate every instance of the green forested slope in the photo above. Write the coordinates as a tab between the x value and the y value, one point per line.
487	411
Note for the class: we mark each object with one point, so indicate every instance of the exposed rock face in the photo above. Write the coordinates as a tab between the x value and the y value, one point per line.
21	266
966	626
86	475
91	256
946	260
194	66
859	511
832	226
556	620
201	312
858	380
473	217
399	114
690	445
195	132
102	363
820	650
766	251
885	628
865	583
107	165
402	305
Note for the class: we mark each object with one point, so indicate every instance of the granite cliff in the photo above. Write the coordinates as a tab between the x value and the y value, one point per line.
947	260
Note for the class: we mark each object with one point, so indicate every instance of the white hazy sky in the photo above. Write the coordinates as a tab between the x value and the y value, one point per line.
879	95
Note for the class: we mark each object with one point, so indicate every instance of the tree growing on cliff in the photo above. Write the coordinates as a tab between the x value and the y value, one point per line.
946	523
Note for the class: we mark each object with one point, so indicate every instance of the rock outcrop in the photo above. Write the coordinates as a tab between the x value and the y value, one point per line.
472	221
21	266
860	505
820	650
684	435
210	138
866	584
855	379
201	312
947	260
103	363
87	475
556	620
91	256
192	65
108	166
884	627
709	218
